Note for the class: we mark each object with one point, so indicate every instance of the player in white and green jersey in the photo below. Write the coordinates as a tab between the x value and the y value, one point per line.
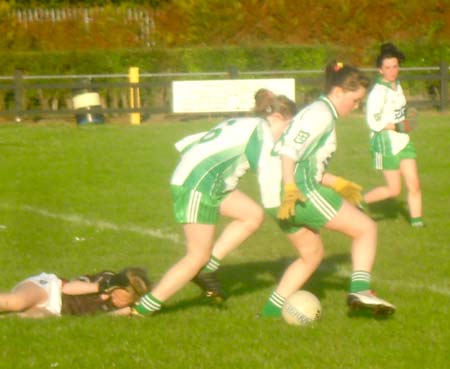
390	145
314	199
204	187
311	140
211	168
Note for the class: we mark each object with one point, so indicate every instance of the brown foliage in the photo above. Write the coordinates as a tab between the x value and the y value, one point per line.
344	22
179	23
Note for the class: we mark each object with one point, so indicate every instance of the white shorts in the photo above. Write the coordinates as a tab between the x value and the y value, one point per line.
52	285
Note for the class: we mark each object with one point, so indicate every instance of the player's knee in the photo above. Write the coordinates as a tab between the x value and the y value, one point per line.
370	227
319	254
14	303
414	189
364	227
256	219
314	255
196	259
395	191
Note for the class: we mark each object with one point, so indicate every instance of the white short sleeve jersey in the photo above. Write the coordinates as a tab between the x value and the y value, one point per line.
310	140
215	161
386	105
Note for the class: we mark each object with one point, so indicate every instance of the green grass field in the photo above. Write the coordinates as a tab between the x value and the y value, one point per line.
78	199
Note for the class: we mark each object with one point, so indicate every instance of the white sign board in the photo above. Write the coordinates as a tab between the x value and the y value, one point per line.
231	95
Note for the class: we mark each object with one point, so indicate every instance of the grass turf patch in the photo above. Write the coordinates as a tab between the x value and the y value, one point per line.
81	199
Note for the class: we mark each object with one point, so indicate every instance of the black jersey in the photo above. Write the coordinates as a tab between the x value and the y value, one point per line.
88	303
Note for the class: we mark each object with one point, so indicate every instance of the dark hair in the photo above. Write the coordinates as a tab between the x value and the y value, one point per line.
388	51
138	282
266	103
346	76
263	99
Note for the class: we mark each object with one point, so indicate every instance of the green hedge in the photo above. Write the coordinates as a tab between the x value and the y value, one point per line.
167	60
204	59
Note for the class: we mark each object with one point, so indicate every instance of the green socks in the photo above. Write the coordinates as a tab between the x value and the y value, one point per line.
148	304
212	266
360	281
273	306
416	222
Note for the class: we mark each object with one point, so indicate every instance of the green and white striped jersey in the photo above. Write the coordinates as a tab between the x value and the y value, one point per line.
213	162
386	105
310	141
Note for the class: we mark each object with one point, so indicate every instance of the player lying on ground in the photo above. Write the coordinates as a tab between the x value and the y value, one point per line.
48	295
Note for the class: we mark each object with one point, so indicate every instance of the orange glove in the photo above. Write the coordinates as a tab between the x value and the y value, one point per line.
290	197
349	190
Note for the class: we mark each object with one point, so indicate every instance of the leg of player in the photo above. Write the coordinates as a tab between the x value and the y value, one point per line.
392	188
247	217
310	248
408	168
25	296
363	231
199	243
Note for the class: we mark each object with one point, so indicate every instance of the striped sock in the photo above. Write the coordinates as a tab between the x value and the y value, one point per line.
212	266
273	306
148	304
360	281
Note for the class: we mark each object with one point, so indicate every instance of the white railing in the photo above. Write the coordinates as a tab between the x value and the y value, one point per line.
87	16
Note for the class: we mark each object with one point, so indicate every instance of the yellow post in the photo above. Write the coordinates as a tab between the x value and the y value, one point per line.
135	99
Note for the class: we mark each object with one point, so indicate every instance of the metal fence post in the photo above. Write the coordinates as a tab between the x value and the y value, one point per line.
233	72
444	85
18	95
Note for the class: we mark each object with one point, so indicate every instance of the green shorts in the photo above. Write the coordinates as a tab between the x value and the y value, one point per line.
322	205
194	207
392	162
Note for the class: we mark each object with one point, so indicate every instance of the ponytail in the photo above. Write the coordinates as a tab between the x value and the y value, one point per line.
346	76
266	103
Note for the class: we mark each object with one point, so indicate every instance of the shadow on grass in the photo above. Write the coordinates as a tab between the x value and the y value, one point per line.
388	209
244	278
367	314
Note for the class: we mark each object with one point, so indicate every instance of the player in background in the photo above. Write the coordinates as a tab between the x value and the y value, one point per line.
204	187
390	145
46	294
313	199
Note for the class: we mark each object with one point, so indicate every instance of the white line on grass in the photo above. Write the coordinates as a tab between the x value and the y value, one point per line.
440	290
158	233
99	224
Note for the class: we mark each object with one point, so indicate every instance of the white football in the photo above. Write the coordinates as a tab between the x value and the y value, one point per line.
301	308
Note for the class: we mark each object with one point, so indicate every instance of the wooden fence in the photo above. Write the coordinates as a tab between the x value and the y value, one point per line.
35	97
